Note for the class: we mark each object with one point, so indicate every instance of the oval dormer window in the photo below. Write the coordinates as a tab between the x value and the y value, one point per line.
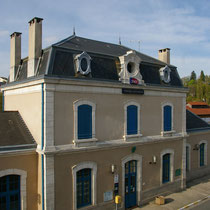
83	63
131	67
165	74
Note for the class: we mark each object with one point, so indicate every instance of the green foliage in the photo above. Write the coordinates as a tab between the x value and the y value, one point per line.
199	89
193	76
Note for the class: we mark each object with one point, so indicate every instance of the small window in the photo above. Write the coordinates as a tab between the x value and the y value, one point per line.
83	187
166	168
165	74
167	125
202	154
84	121
83	63
132	120
10	192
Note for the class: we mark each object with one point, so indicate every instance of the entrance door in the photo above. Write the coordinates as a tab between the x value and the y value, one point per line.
130	183
166	168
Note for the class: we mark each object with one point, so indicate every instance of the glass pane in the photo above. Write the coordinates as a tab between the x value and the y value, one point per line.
13	182
3	186
14	202
126	168
3	202
133	166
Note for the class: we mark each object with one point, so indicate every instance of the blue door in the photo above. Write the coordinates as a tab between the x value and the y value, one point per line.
166	168
10	192
130	184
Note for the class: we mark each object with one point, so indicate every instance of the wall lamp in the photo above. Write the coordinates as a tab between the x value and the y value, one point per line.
154	160
113	168
196	147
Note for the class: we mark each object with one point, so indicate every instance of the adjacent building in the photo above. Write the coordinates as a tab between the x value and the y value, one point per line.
201	109
106	120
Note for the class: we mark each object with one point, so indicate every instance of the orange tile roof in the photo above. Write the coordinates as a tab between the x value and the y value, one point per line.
201	111
197	103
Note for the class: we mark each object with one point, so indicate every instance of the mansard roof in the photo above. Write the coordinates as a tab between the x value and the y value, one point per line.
58	61
195	123
14	133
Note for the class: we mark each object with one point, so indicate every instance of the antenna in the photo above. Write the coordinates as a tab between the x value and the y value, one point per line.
74	33
120	40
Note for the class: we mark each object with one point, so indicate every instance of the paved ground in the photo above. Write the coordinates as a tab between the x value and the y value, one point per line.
197	196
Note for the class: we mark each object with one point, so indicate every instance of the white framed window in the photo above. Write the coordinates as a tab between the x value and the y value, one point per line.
90	168
167	166
202	155
83	63
23	176
84	122
167	119
132	120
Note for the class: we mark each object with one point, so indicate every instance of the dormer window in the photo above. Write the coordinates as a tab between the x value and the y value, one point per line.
130	68
165	74
83	61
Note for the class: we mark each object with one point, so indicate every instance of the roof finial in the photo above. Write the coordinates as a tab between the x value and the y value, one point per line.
74	33
119	40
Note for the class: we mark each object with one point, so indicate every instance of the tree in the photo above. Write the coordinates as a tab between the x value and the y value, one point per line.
193	76
202	76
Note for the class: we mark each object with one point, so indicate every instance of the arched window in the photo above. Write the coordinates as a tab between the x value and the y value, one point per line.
10	192
202	154
166	168
132	120
84	187
167	118
84	184
84	121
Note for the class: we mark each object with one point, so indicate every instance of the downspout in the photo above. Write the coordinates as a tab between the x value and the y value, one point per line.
42	145
3	100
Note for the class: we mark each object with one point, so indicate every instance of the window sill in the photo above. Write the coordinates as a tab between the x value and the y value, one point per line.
132	137
85	142
168	133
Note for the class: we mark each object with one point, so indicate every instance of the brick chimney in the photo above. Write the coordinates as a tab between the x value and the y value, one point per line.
35	44
164	55
15	54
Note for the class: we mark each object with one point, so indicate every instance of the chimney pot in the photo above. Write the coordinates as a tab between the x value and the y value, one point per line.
35	44
164	55
15	54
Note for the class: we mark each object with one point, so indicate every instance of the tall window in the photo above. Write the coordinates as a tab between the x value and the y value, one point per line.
166	168
84	121
83	187
187	158
202	154
167	118
132	119
10	192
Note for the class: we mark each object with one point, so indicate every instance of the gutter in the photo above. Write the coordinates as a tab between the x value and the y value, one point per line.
42	144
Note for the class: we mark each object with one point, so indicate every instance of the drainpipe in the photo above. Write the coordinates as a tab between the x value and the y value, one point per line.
3	100
42	145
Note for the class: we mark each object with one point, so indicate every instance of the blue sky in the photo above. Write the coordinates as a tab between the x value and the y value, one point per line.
183	26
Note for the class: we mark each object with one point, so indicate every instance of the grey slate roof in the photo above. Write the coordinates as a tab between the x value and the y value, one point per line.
195	123
58	61
13	132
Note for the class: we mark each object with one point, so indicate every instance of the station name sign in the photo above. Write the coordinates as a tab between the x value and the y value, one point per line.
132	91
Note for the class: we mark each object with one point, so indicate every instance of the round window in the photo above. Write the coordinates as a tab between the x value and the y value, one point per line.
84	64
130	67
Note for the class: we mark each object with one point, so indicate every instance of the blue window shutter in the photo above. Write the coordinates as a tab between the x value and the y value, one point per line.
132	119
167	118
84	121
